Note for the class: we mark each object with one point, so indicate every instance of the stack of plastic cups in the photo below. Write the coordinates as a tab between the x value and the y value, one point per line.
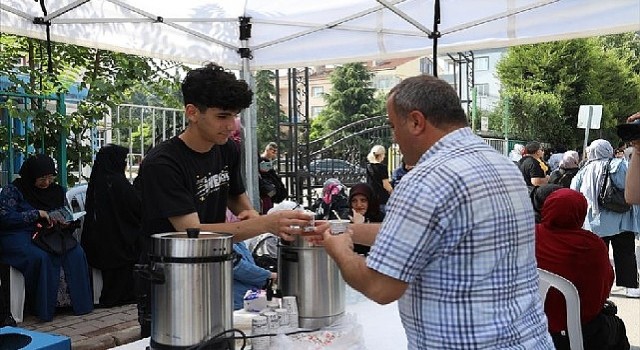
291	305
283	316
259	325
273	305
273	322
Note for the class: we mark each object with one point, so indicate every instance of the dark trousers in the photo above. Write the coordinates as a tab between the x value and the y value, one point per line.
624	257
605	332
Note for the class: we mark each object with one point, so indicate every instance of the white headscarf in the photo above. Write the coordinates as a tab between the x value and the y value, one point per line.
376	154
570	160
598	153
516	153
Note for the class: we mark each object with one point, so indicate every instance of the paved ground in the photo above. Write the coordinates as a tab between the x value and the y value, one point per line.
101	329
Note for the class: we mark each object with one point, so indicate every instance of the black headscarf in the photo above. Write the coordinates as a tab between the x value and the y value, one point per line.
34	167
112	223
373	214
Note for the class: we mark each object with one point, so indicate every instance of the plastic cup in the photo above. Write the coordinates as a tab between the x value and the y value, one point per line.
338	226
311	226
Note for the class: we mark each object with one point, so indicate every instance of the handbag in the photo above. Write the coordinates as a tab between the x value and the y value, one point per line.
611	197
54	239
265	261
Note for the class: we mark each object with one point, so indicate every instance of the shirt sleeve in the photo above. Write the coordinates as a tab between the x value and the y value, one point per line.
411	236
535	170
14	211
165	193
246	271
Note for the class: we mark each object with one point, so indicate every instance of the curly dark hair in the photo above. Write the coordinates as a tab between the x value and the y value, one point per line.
214	86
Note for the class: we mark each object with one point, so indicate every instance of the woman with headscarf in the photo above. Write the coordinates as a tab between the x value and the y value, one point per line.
24	204
564	248
516	153
567	169
365	208
112	225
619	229
378	175
334	201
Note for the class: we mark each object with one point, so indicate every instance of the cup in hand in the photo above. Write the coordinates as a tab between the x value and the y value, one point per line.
338	226
311	226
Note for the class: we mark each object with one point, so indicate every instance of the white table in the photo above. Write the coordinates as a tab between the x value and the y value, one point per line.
381	326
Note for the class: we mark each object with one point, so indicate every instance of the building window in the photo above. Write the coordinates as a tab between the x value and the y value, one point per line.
315	110
317	91
426	67
481	63
384	84
483	90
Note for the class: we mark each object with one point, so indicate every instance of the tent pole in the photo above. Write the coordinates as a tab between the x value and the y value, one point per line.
249	156
434	35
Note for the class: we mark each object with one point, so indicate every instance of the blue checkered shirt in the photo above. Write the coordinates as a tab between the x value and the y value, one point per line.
460	230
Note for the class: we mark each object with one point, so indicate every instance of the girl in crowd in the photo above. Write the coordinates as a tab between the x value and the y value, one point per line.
365	208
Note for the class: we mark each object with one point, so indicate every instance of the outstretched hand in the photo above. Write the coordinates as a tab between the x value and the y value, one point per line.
287	223
337	244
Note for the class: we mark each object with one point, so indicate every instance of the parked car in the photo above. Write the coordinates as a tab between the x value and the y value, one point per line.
322	169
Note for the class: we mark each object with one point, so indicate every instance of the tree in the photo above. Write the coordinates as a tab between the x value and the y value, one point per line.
268	111
110	78
537	78
352	98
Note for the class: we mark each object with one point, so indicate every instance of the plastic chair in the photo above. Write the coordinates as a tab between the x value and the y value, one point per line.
78	195
16	294
572	299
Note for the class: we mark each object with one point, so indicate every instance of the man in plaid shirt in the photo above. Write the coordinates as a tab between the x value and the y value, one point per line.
456	248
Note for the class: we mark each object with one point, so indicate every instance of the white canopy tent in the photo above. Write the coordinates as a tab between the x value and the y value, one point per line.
291	33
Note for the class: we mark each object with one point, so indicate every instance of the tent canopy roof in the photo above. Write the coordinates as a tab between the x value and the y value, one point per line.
291	33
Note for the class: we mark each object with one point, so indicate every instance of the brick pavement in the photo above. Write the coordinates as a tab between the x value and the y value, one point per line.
98	330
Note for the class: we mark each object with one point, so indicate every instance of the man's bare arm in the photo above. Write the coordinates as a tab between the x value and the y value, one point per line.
280	223
374	285
365	233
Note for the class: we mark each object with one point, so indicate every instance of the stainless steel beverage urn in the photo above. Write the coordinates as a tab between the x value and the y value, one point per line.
309	274
192	289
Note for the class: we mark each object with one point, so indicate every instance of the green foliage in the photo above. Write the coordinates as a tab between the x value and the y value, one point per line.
268	111
538	79
352	98
111	78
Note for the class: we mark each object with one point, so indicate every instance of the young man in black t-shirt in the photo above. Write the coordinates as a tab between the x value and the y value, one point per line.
530	166
190	180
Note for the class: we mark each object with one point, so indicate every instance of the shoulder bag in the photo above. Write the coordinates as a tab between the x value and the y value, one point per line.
611	197
54	239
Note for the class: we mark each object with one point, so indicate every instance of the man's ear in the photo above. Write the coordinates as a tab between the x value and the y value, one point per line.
417	122
191	112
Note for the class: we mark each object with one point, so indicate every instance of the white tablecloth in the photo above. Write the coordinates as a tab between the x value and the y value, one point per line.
381	326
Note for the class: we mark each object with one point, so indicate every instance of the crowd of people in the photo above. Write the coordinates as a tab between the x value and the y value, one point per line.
455	235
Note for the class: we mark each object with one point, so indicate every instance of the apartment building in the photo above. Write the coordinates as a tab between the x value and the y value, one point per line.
388	73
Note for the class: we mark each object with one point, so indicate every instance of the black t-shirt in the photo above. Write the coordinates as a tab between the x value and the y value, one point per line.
376	172
175	180
530	168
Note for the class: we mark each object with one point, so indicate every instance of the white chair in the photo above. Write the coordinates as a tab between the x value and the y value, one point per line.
78	195
16	294
572	299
